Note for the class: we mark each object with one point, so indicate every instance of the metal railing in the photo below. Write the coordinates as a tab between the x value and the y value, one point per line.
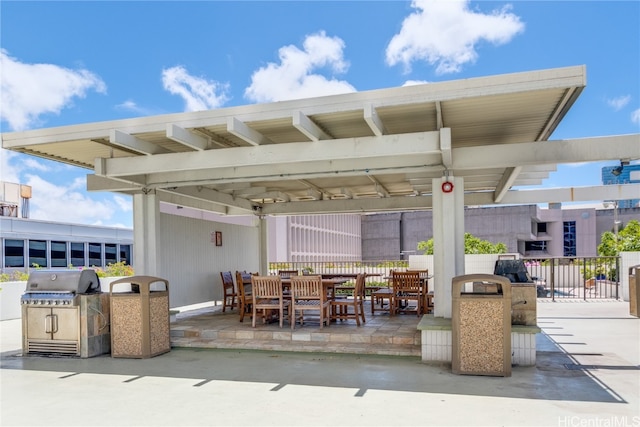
576	277
583	278
378	269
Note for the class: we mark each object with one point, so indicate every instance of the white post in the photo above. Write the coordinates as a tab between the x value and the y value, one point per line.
146	225
264	245
448	241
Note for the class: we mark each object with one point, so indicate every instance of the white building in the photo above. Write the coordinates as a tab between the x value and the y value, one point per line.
25	242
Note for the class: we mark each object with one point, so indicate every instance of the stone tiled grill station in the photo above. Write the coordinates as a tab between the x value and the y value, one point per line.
95	338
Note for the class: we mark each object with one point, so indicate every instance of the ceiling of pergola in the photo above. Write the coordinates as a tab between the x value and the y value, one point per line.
380	147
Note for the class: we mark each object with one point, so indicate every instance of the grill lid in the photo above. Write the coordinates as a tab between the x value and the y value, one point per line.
78	281
514	269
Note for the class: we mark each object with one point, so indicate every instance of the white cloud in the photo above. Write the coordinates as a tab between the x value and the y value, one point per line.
445	34
32	164
12	165
296	77
131	106
31	90
635	116
8	172
123	203
414	82
619	103
67	204
198	93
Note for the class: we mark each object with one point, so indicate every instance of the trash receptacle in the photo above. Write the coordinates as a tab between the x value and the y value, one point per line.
634	290
140	317
481	325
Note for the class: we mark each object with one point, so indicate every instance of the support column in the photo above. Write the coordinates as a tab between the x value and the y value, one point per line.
146	233
448	241
264	245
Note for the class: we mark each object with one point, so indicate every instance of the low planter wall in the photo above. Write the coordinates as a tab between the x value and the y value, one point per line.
10	299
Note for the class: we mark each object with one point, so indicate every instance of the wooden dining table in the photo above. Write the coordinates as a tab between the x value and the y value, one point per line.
329	284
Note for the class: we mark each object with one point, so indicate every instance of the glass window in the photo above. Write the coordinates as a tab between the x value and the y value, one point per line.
13	253
125	254
37	253
539	246
59	254
95	255
110	253
569	238
77	254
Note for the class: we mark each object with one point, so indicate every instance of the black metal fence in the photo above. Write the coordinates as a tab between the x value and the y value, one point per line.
556	278
576	278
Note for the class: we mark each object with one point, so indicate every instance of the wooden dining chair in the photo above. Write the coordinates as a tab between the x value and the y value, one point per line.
267	297
287	274
427	301
379	296
230	295
407	287
308	294
346	307
245	300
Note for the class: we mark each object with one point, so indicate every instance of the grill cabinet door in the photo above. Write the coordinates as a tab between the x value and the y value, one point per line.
39	319
47	323
66	324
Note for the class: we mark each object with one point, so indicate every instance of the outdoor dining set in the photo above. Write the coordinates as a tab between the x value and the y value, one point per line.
290	295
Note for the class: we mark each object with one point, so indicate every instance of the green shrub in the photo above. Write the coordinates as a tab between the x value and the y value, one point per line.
16	276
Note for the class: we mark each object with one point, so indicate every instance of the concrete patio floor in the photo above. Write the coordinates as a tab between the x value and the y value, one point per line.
587	374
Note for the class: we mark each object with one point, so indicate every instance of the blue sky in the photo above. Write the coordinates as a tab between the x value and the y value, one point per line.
66	63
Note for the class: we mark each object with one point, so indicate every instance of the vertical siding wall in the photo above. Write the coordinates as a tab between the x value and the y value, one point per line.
316	238
192	262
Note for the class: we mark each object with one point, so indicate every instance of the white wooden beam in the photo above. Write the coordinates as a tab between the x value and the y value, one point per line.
406	149
439	118
507	180
273	195
131	142
373	120
380	189
305	125
184	137
244	132
102	183
213	196
248	191
548	152
445	147
559	195
593	193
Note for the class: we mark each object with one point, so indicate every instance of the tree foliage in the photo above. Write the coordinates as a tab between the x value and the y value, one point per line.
628	240
472	245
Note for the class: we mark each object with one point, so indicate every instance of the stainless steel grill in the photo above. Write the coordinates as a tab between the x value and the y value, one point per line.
62	313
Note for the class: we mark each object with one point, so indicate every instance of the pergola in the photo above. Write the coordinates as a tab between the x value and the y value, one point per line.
439	145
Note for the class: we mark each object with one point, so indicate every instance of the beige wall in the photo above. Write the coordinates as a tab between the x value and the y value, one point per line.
191	261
